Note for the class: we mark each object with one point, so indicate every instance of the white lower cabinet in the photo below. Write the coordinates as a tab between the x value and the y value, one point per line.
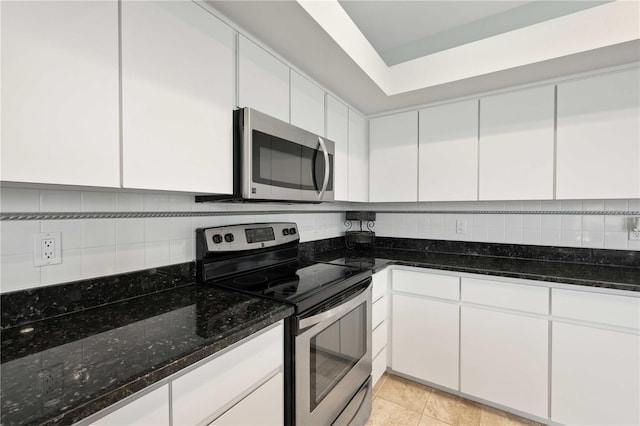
563	353
504	358
380	324
424	339
595	376
152	409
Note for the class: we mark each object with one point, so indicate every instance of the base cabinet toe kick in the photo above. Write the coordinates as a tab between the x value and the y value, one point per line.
551	352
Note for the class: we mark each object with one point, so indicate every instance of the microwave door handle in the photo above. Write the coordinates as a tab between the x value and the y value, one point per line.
327	172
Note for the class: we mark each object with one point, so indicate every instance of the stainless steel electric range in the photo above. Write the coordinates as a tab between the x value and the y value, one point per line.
327	340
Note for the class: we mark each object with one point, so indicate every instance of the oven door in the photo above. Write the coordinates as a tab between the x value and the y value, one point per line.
333	362
284	162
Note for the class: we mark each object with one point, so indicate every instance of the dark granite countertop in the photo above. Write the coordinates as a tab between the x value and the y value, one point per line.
592	275
107	338
103	354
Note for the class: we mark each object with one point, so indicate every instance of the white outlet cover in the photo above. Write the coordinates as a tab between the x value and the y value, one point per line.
37	248
461	226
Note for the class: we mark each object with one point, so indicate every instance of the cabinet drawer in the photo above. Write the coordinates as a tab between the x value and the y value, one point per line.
379	366
426	284
264	406
150	409
379	285
201	393
379	339
610	309
518	297
378	312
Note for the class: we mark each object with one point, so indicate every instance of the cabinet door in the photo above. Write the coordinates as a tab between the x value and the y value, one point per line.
338	132
151	409
263	81
448	152
516	145
177	98
60	118
307	105
264	406
358	158
393	152
595	379
598	152
504	358
424	339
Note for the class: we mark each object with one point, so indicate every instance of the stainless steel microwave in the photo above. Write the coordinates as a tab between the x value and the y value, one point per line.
275	161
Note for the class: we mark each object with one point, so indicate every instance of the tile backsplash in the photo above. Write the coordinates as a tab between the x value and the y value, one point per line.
570	230
98	247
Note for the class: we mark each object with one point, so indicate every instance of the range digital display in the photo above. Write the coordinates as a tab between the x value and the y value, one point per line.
257	235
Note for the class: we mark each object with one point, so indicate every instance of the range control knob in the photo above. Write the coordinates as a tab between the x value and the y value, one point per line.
292	231
217	238
285	231
228	238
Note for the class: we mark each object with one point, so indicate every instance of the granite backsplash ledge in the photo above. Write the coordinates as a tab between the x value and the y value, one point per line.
624	258
25	306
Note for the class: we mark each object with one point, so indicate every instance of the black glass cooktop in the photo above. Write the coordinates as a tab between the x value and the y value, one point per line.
296	282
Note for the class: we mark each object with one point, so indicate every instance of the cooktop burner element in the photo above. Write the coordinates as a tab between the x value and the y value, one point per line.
267	266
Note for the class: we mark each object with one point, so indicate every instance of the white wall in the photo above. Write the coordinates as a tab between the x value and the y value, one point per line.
598	231
98	247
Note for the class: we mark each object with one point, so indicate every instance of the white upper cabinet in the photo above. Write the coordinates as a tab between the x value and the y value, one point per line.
177	98
393	165
517	145
358	158
60	120
448	152
263	81
338	132
598	137
307	104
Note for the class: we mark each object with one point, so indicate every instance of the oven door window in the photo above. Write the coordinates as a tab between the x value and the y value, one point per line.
334	351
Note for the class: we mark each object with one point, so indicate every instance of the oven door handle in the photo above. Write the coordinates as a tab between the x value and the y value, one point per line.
335	312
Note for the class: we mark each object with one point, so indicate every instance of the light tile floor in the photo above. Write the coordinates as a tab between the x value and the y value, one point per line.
397	401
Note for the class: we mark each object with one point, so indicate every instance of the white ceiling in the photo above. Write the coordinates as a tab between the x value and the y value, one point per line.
403	30
290	31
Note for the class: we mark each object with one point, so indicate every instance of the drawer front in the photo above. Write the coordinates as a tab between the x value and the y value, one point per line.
149	409
379	339
378	312
519	297
426	284
201	393
379	366
610	309
380	281
262	407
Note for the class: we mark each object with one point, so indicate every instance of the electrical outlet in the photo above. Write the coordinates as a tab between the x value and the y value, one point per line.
461	226
47	248
634	235
52	380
